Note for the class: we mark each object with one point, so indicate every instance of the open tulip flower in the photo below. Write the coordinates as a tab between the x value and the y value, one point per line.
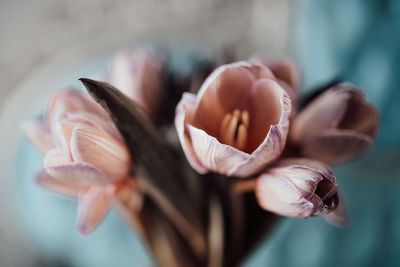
337	126
237	123
297	188
85	156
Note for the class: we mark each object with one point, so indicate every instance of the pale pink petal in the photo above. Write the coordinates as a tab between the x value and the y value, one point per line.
225	89
91	145
286	73
184	113
285	70
336	146
71	100
258	70
93	206
267	108
325	112
39	135
57	157
64	102
92	119
277	194
218	157
59	187
230	161
61	133
308	164
79	174
292	93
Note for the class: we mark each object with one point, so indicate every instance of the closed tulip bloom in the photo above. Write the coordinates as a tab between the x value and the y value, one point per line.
85	156
237	123
297	188
139	74
337	126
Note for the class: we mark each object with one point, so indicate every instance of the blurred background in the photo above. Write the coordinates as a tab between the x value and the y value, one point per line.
46	45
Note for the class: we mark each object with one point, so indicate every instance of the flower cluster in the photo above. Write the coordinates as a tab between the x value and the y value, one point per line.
243	123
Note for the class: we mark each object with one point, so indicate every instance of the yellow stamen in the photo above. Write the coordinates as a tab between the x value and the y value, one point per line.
245	118
234	129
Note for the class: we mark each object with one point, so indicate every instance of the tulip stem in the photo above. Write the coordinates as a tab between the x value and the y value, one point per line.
244	186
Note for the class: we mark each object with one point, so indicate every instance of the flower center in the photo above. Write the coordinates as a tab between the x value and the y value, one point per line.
234	129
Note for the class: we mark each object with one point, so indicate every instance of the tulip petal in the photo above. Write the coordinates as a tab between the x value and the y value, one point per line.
93	206
259	71
56	157
97	121
215	156
91	145
325	112
185	112
71	100
80	174
276	194
225	89
230	161
59	187
307	164
360	116
284	70
268	106
61	132
39	135
336	146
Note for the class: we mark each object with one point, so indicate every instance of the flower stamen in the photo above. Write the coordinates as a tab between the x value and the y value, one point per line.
234	129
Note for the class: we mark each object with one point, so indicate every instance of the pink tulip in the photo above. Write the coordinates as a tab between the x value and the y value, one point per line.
237	123
298	188
138	73
85	156
337	126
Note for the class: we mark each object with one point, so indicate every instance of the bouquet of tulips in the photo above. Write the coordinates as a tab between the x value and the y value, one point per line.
201	166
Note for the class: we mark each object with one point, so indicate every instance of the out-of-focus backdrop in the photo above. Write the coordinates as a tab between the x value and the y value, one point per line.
352	40
33	32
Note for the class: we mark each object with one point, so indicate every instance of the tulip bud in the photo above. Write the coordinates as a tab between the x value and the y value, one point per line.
138	74
337	126
298	188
